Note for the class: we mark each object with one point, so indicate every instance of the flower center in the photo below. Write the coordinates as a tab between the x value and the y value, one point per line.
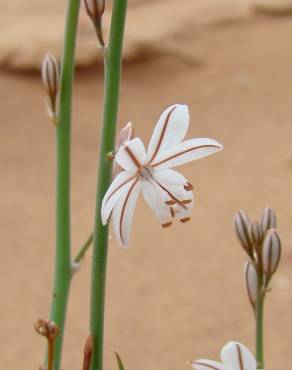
145	173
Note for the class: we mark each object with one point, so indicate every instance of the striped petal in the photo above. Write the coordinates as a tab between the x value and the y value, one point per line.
169	131
207	365
131	156
156	199
119	186
236	356
122	214
169	177
187	151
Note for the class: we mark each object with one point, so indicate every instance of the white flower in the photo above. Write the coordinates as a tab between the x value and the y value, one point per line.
234	356
166	191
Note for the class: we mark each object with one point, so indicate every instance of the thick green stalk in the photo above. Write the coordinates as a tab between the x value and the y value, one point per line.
62	275
113	59
259	316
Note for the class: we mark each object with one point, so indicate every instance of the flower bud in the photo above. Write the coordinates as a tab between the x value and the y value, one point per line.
271	253
251	281
87	353
50	78
47	329
95	10
256	233
242	226
268	219
127	133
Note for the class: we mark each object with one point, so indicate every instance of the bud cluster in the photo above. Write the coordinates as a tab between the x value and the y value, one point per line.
47	329
50	78
262	244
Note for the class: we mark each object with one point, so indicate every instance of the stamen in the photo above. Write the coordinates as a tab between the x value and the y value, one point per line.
172	212
170	202
188	186
166	225
184	220
186	201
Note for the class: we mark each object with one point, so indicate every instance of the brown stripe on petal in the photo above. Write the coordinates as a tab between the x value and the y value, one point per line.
166	225
184	152
119	187
124	208
184	220
162	134
207	366
133	157
240	359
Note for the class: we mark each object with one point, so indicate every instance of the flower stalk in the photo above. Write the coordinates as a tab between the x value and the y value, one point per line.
62	274
112	61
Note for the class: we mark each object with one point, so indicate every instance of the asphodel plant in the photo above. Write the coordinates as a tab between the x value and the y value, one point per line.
262	245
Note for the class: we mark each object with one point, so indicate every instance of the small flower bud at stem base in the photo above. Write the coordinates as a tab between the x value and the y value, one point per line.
251	281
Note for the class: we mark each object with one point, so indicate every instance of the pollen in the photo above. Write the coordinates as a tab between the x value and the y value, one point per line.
186	201
166	225
184	220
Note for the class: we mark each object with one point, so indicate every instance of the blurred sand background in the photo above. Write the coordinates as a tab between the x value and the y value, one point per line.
176	294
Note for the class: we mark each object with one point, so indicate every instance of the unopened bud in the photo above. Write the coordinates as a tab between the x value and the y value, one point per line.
242	226
268	219
127	133
87	353
251	281
95	10
50	78
47	329
271	253
256	233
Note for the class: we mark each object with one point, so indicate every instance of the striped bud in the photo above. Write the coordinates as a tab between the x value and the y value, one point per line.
271	253
256	233
268	219
127	133
95	10
242	225
251	281
50	78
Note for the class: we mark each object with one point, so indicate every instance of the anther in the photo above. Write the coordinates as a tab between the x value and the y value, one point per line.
170	202
184	220
166	225
172	212
188	186
186	201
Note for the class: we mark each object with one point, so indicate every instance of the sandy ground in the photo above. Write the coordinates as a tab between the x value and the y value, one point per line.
176	294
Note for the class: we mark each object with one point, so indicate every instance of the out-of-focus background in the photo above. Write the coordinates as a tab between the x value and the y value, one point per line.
175	294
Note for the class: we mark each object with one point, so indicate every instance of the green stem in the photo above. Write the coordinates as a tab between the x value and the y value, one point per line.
83	249
113	59
62	274
259	315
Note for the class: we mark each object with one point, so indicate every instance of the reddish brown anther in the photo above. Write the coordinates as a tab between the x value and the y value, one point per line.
184	220
170	202
166	225
188	186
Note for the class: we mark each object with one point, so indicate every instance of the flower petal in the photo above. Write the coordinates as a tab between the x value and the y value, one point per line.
120	185
207	365
169	177
169	131
187	151
122	215
236	356
131	156
156	199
